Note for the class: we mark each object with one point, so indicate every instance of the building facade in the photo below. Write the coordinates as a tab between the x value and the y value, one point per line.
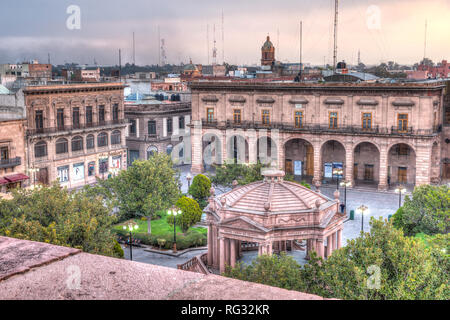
158	127
75	132
381	134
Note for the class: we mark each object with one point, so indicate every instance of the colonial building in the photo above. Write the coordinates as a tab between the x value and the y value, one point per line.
382	134
158	127
76	132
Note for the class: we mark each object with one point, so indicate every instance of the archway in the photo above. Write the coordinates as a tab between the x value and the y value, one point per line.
366	167
151	151
237	149
299	158
267	151
401	165
333	157
435	167
212	150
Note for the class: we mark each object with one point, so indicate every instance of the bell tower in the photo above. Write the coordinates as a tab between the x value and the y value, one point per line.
268	53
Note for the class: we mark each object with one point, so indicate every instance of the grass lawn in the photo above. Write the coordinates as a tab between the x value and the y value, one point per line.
160	227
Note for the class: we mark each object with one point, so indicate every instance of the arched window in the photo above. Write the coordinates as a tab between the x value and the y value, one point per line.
90	142
62	146
169	149
77	143
151	151
102	139
40	149
115	137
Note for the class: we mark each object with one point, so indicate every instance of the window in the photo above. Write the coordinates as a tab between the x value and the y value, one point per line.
169	126
77	143
151	127
89	116
169	149
151	151
4	153
134	155
90	142
402	150
102	139
181	122
76	117
60	118
265	117
133	127
103	166
403	122
115	137
78	172
63	174
237	116
101	114
115	112
40	149
367	120
39	120
91	169
210	115
333	117
298	119
62	146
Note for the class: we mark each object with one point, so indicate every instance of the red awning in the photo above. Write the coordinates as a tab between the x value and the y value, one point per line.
16	177
3	181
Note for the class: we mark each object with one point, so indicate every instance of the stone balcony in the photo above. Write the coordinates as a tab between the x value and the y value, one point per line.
10	163
74	129
36	271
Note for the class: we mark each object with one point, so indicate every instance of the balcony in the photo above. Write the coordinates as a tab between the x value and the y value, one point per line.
10	163
317	128
81	126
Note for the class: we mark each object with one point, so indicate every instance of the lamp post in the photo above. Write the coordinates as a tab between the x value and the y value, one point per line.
175	212
337	172
189	178
361	210
400	190
345	184
131	227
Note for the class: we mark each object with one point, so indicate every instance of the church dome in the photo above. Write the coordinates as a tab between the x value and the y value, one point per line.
341	65
268	44
273	195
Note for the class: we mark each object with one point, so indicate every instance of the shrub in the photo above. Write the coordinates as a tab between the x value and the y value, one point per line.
118	251
191	213
200	187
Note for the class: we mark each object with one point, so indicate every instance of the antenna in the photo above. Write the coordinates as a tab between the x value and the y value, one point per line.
223	39
214	48
301	58
134	51
359	57
207	41
159	49
49	58
425	44
278	42
163	52
336	8
120	66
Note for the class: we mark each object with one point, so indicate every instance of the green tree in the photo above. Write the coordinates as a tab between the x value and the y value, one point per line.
191	213
55	215
200	187
144	188
427	211
243	174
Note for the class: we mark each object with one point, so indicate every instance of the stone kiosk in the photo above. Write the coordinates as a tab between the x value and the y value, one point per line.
273	214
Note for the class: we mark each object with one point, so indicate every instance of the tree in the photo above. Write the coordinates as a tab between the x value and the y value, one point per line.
55	215
191	213
200	187
145	188
243	174
427	211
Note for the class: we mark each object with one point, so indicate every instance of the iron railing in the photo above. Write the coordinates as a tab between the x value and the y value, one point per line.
10	163
80	126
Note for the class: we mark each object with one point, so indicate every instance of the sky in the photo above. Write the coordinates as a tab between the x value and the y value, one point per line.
382	30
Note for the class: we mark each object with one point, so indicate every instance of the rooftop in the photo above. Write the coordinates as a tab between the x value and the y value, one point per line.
34	270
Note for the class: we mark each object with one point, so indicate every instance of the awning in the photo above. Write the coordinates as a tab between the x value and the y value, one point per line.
3	181
16	177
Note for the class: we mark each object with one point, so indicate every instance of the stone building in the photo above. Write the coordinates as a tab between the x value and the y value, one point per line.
380	134
76	132
273	214
158	127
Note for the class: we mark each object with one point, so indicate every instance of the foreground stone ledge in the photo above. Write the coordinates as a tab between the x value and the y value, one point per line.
45	271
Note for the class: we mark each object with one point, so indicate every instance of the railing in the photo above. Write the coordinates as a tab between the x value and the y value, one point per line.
9	163
320	128
75	127
196	264
249	246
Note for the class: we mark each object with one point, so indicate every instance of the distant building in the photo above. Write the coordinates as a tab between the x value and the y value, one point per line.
441	70
267	53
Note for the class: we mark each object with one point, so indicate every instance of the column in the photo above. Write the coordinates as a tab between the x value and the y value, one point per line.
210	245
349	162
232	253
175	123
308	248
197	148
259	249
317	164
224	145
423	164
320	248
314	245
240	248
164	127
227	251
222	255
382	184
330	245
339	238
252	147
270	248
333	241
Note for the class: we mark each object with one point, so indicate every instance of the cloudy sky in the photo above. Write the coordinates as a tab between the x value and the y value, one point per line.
381	29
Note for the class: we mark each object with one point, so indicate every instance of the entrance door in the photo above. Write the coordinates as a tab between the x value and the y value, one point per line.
447	171
368	172
288	165
42	176
355	171
402	177
309	160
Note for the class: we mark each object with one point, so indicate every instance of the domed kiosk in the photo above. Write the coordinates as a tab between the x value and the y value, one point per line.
271	214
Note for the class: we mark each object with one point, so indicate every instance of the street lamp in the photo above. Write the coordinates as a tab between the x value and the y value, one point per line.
361	210
175	212
400	190
338	172
345	184
131	227
189	178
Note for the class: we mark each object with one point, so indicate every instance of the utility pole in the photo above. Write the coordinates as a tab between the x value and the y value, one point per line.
159	48
134	51
120	66
336	8
207	41
223	38
425	44
301	49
